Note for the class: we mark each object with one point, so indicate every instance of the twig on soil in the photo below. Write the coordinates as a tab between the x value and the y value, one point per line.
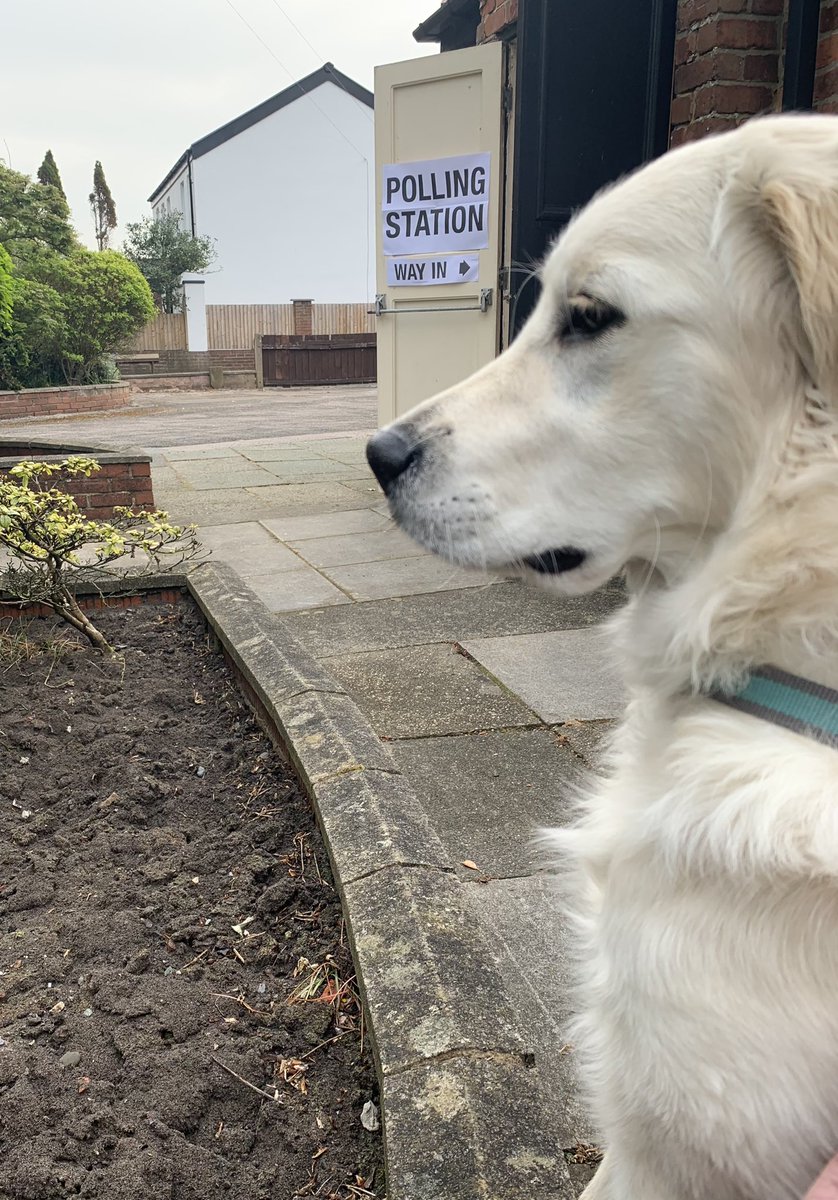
257	1012
275	1098
197	958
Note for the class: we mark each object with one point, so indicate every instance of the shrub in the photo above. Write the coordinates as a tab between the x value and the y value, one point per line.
45	532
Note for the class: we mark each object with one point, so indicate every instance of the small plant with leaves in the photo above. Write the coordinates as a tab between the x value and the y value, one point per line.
51	546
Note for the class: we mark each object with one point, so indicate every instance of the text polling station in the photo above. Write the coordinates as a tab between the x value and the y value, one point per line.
437	206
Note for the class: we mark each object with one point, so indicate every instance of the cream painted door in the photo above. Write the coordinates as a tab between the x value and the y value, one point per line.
442	107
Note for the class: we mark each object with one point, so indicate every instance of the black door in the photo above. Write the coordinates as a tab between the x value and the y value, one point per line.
594	82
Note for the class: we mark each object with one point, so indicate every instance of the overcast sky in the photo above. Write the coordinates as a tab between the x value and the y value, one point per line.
133	84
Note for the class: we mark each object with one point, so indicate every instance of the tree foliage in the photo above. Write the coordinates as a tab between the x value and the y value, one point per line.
6	290
63	308
163	250
103	207
45	533
48	174
33	217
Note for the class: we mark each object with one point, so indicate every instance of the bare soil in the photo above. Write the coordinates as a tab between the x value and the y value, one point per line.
177	1008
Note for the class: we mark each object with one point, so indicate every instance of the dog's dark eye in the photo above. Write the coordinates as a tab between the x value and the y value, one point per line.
586	318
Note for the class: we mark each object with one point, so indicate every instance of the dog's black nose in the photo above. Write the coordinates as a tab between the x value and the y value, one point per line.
390	452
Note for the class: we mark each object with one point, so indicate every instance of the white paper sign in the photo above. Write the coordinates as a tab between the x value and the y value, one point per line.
419	272
436	205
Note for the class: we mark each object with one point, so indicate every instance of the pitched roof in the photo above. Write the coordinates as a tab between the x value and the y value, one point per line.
433	27
328	73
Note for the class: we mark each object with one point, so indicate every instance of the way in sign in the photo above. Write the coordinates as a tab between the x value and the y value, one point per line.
421	272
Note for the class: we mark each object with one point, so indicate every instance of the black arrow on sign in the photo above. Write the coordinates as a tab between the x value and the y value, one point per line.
464	267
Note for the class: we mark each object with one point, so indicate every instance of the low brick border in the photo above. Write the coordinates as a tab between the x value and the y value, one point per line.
461	1107
43	402
124	478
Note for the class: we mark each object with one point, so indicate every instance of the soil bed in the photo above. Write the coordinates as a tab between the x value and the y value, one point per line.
164	893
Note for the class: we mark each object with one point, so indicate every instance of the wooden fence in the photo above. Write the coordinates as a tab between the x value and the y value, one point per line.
166	332
236	326
290	360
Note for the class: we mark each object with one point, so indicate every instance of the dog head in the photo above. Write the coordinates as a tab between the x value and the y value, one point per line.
683	314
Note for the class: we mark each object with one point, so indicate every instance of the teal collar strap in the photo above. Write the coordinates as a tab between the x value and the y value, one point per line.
787	700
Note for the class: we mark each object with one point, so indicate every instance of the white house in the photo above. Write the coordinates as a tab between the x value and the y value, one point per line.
287	191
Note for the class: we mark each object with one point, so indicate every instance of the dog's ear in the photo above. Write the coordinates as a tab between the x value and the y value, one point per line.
777	231
801	211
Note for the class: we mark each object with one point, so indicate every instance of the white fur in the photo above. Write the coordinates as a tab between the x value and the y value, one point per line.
694	447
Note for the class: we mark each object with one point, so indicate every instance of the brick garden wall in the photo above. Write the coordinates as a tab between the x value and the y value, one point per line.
124	479
43	402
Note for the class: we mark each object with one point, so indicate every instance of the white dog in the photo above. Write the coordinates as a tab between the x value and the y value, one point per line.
671	410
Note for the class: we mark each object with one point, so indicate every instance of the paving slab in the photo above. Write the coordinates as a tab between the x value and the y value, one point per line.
297	499
313	468
588	739
565	675
450	616
524	919
249	548
223	473
378	546
470	785
287	591
216	507
176	454
353	520
403	577
280	453
426	690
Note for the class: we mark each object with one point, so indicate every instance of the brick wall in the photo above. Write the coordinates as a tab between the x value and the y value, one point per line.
124	479
826	72
727	64
41	402
496	16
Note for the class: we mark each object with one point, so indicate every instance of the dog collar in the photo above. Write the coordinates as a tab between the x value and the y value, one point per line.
787	700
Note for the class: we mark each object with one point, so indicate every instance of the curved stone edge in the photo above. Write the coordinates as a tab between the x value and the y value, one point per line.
460	1103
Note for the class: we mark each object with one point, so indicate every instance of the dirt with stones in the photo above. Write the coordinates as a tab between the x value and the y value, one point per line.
177	1017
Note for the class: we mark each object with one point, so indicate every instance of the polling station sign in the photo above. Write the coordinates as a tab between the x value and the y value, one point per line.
436	206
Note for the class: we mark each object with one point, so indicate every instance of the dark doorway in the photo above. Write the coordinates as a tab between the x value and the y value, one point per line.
593	90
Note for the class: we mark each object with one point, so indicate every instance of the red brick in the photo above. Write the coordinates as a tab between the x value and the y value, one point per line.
827	50
732	98
140	470
829	16
730	65
681	110
496	21
761	68
692	74
773	8
826	89
758	33
715	124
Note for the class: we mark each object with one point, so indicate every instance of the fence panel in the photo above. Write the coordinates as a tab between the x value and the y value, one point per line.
236	326
166	332
342	318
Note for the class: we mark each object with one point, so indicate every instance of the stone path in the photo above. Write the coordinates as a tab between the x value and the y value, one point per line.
493	697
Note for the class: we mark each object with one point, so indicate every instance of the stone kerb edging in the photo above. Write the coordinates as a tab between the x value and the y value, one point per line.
461	1107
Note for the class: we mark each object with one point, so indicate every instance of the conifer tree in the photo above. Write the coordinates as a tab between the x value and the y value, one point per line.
103	207
48	174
